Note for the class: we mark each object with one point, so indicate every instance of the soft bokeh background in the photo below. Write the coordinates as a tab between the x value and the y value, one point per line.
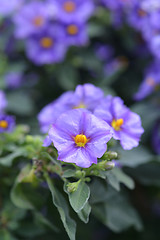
114	45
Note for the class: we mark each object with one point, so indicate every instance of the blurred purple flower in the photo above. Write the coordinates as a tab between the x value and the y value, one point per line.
150	82
3	101
104	52
76	33
80	137
51	112
31	19
79	10
47	46
86	96
138	16
7	123
125	124
8	7
13	79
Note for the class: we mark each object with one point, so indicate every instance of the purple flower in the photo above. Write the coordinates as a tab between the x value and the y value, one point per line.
104	52
150	82
79	10
51	112
7	7
76	33
13	79
47	46
86	96
138	16
156	137
115	65
154	45
7	123
31	19
3	101
125	124
80	137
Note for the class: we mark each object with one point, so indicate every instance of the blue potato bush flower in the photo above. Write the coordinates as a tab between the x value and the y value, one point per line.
81	78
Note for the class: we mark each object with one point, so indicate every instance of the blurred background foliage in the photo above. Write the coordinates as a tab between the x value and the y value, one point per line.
121	212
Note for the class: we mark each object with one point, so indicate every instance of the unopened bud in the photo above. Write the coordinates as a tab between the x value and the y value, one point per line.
109	155
80	174
29	139
109	165
72	187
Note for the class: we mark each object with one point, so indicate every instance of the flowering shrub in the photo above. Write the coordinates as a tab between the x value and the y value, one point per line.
79	119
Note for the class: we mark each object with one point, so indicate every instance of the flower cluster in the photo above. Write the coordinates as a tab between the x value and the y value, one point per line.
82	122
49	27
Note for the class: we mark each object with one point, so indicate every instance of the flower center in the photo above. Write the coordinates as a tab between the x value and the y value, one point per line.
116	124
81	140
150	81
3	124
38	21
141	13
46	42
69	6
72	29
81	105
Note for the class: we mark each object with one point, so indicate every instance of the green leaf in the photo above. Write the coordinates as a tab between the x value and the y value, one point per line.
68	77
79	198
7	160
20	103
69	173
117	213
45	222
148	174
112	180
61	204
5	235
84	213
123	178
98	190
23	195
135	157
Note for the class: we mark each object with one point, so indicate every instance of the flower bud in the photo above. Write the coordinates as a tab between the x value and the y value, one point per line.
72	187
80	174
109	155
109	165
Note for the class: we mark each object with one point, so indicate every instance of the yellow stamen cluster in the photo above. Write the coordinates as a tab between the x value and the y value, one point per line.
3	124
116	124
81	105
72	29
69	6
38	21
46	42
81	140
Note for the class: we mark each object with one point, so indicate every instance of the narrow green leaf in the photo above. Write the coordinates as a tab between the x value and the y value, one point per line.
7	160
45	222
123	178
112	180
61	204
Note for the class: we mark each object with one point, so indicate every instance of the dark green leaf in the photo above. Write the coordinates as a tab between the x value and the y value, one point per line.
84	213
79	198
123	178
61	204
